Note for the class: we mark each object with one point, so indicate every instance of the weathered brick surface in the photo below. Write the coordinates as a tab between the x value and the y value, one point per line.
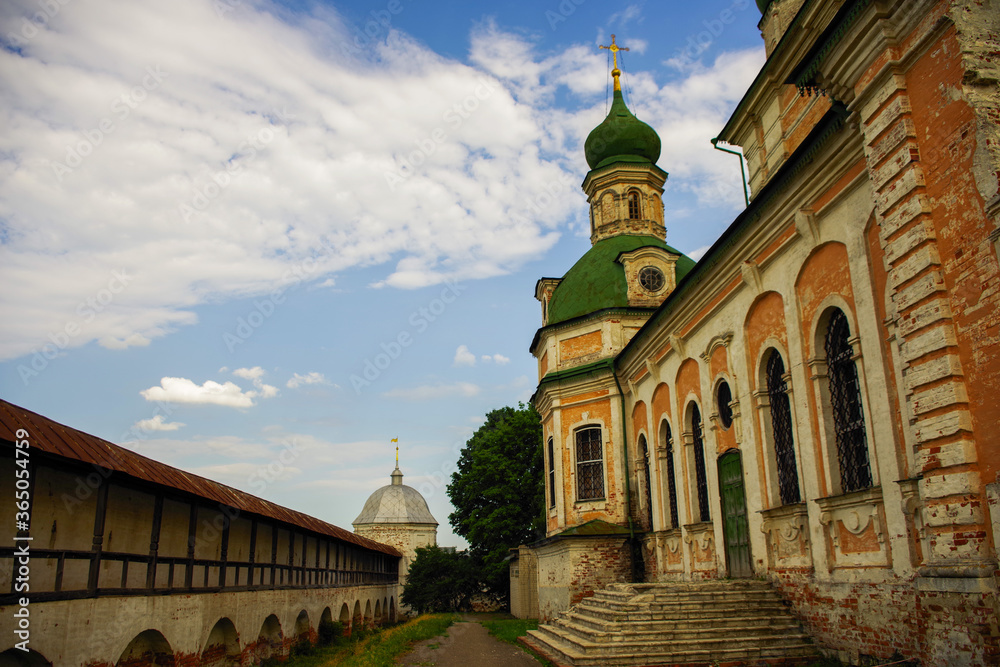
880	620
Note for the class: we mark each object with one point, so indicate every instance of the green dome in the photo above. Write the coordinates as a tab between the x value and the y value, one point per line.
621	138
597	281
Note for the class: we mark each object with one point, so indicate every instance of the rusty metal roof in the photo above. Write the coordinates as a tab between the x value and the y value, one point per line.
54	438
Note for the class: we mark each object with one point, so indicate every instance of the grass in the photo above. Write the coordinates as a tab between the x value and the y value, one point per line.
377	648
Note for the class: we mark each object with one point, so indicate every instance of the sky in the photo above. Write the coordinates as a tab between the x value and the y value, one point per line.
259	240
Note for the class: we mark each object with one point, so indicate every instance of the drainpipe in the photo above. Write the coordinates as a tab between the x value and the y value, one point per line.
743	175
628	487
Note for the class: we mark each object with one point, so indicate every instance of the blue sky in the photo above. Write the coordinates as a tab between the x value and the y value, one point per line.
259	240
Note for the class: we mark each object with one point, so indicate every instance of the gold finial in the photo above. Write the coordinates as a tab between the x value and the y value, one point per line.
396	440
614	48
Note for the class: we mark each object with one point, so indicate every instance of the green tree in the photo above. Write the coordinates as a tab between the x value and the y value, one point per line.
439	580
498	492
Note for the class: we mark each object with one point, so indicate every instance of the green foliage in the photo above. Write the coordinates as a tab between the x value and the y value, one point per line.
498	492
509	630
383	649
330	632
439	580
302	647
380	648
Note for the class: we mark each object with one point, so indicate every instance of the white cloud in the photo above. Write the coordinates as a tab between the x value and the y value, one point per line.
463	357
188	190
430	392
210	126
313	377
132	340
250	477
498	359
256	375
630	13
698	253
182	390
157	424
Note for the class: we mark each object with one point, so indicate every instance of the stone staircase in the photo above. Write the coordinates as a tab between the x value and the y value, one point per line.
712	622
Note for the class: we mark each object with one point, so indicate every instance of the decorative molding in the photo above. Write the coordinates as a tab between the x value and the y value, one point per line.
807	226
751	276
817	368
787	531
856	512
723	339
677	343
653	370
700	534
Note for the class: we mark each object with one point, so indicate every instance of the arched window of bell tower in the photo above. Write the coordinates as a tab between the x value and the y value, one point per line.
634	212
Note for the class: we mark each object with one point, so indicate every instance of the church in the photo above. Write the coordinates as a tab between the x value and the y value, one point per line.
814	402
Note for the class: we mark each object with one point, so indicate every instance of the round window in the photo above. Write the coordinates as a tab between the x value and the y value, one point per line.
651	279
725	397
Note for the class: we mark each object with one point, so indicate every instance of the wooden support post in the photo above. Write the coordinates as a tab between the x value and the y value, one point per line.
224	555
192	538
253	551
100	514
154	542
274	553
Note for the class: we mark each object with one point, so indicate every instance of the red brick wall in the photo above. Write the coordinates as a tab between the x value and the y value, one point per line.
880	620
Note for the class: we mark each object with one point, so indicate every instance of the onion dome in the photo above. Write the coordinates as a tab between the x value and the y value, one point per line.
621	137
395	503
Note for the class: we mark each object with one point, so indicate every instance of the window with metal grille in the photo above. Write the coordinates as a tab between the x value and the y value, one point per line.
845	400
724	396
651	279
699	464
781	430
671	479
633	206
589	464
647	482
552	475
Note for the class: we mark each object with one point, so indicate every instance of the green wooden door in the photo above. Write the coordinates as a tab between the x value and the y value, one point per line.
734	514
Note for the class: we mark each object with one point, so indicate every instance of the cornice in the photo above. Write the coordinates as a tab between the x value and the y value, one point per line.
576	321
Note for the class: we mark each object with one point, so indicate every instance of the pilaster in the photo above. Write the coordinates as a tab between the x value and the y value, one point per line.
933	383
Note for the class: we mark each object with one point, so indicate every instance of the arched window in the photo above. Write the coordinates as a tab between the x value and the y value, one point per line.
634	213
781	429
724	396
647	482
552	474
668	440
589	464
699	464
845	401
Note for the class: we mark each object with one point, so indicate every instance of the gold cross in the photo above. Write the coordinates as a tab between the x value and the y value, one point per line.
614	48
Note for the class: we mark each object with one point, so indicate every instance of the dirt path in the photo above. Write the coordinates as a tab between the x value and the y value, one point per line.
467	644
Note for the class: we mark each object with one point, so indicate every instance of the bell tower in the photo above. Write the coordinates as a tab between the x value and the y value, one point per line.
624	186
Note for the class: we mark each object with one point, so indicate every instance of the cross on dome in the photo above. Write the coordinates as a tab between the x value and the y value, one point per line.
614	49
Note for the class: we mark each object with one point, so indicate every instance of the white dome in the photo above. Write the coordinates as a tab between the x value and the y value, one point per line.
395	503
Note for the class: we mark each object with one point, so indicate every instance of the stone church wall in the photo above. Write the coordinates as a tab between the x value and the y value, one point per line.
570	569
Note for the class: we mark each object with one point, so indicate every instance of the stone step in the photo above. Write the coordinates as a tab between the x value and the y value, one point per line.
722	622
675	624
696	597
644	613
705	642
654	654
